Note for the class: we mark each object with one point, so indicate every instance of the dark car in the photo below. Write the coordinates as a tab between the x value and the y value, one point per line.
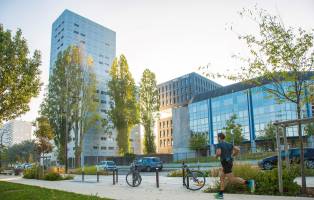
294	157
148	164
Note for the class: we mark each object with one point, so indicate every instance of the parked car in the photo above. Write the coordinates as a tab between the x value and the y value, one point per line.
106	165
149	164
294	157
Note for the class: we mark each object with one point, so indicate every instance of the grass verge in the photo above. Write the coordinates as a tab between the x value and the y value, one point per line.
16	191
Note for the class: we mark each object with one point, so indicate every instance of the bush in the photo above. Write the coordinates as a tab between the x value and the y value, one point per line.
35	172
266	181
53	176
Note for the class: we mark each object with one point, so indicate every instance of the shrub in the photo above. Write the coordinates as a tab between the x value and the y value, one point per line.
53	176
266	181
35	172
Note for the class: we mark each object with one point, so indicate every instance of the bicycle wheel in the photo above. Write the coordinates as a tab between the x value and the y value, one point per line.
195	180
133	179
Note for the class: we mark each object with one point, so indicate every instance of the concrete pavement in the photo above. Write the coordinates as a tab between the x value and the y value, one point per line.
170	188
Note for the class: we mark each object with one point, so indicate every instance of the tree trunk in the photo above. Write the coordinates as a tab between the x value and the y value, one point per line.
77	152
123	140
301	150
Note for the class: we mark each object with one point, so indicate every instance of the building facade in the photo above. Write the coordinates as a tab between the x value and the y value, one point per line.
14	132
173	94
252	105
99	46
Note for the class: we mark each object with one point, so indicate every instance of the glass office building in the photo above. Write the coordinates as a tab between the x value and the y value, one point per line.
99	47
253	106
175	93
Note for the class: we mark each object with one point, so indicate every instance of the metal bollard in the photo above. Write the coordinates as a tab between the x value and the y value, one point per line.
113	177
83	174
97	173
157	177
187	181
117	175
183	174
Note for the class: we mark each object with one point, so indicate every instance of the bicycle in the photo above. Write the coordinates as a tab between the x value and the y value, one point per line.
133	178
193	179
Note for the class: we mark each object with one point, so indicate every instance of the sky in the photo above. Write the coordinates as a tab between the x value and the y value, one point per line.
169	37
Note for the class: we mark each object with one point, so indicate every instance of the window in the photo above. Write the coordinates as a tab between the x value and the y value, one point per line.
75	24
82	41
97	91
102	110
82	34
107	44
111	148
95	147
103	102
76	32
101	62
160	142
103	148
103	138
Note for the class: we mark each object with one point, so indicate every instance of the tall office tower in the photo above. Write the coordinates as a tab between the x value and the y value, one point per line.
173	94
14	132
98	43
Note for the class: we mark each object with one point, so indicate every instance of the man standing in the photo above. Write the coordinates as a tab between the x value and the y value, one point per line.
226	151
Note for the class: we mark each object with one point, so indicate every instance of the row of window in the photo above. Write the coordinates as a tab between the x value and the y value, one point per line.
163	133
164	143
201	83
175	100
165	124
103	148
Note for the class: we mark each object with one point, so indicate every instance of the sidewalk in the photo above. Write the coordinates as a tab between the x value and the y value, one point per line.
170	188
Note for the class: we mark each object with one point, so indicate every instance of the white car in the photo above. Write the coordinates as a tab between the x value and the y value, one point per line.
106	165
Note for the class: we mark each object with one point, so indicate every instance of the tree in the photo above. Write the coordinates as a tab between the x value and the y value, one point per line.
61	103
44	134
89	116
233	131
269	133
198	142
309	129
22	152
19	75
149	105
281	56
124	111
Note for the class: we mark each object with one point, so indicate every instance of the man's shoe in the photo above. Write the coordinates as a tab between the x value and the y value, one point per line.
251	185
219	196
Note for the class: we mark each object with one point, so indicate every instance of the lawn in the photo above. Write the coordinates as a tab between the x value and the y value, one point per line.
12	191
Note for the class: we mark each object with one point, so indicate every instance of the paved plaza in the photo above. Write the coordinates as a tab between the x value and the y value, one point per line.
170	188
